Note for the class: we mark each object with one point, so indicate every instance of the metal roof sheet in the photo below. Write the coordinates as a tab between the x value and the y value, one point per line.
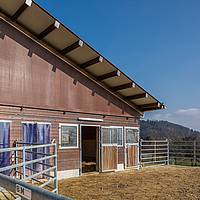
36	19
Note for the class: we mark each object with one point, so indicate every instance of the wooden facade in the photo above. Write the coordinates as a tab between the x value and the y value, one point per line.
39	84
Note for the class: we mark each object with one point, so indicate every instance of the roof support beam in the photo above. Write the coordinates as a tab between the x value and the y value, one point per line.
109	75
22	8
91	62
73	46
124	86
149	106
137	96
48	30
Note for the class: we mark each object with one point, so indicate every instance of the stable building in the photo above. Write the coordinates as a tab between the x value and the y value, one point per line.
54	85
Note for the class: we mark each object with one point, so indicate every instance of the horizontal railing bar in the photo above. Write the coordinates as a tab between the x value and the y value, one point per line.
152	149
45	184
44	154
154	161
45	164
182	157
10	184
184	149
143	154
184	141
26	147
37	180
39	173
183	145
26	163
154	157
154	140
151	145
37	162
182	161
181	153
28	143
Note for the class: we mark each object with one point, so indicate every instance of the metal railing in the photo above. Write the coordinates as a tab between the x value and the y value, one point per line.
154	152
185	153
31	165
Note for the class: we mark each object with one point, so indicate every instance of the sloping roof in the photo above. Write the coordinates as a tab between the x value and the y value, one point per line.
36	22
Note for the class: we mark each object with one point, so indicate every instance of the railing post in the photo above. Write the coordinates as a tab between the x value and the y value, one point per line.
195	164
141	152
55	164
167	151
31	165
24	160
155	150
16	159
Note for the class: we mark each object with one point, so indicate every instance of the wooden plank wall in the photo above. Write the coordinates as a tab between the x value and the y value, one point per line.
67	158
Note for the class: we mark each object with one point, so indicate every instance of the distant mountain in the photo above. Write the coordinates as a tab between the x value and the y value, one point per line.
153	129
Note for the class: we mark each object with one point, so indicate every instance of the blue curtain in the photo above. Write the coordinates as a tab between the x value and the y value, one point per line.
37	133
5	158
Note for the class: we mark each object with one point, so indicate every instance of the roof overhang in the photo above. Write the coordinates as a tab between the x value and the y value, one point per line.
35	22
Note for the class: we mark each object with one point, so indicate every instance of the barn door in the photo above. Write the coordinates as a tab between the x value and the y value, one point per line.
108	149
131	147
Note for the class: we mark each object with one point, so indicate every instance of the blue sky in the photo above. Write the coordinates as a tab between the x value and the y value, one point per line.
155	42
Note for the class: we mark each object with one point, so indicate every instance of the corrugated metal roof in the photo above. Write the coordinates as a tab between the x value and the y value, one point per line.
36	19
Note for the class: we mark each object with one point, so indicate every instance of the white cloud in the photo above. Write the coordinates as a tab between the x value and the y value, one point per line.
188	117
191	111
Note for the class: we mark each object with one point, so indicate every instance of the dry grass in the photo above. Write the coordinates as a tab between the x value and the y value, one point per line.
160	182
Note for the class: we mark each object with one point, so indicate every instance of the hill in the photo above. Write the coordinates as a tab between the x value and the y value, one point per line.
153	129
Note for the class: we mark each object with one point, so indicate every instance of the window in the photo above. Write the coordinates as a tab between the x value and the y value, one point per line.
132	135
68	135
112	135
5	143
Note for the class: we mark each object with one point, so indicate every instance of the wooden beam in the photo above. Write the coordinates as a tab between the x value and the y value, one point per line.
123	87
91	62
109	75
149	106
71	47
48	30
22	8
137	96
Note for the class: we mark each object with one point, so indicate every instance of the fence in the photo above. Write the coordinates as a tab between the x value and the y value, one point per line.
161	152
185	153
27	164
154	152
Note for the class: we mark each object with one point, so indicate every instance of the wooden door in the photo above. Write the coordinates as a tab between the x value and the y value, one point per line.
109	155
132	156
132	147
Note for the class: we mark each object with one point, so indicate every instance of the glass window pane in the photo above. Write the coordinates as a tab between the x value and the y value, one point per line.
131	135
68	136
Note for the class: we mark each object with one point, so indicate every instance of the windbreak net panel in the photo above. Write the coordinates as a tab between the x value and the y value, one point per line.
36	133
110	140
5	157
132	138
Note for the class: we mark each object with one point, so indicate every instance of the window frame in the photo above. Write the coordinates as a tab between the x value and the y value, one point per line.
135	143
60	144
